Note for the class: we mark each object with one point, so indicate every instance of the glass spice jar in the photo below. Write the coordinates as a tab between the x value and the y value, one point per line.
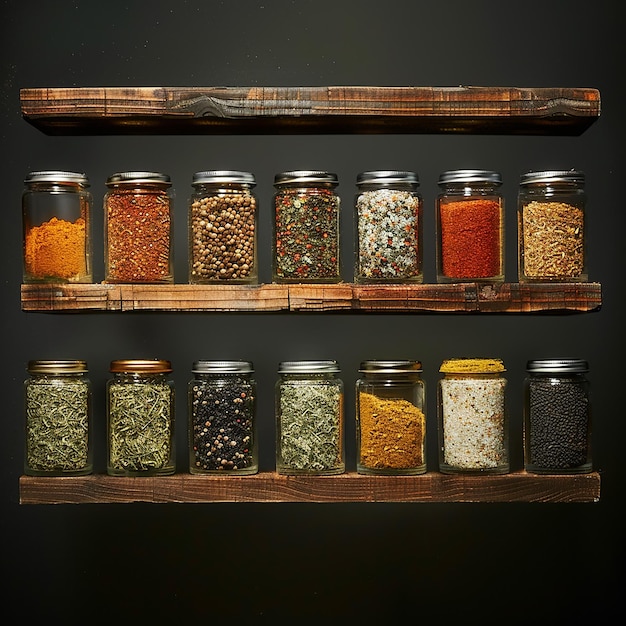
473	424
140	418
309	418
390	419
58	404
557	417
306	228
222	228
551	227
470	227
222	411
138	228
56	223
388	228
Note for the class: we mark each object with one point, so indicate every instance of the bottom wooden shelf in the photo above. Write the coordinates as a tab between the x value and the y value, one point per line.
349	487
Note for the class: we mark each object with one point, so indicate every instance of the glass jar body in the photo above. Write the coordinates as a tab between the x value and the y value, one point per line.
388	229
140	424
222	424
58	409
551	228
470	228
56	222
222	232
138	229
391	423
309	424
306	242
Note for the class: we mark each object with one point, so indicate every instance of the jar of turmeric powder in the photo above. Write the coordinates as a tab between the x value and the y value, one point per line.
390	419
56	222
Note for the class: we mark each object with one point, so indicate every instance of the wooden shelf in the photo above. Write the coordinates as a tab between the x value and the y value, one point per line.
350	487
302	110
446	298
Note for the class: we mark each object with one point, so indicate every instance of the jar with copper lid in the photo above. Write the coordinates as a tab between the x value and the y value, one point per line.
140	418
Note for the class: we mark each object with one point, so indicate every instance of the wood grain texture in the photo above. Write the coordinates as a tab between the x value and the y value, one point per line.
350	487
310	109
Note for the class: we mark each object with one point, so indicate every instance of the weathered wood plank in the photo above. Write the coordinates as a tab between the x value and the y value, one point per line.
350	487
332	109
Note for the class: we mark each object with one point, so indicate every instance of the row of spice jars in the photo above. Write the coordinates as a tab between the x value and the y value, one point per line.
309	412
223	220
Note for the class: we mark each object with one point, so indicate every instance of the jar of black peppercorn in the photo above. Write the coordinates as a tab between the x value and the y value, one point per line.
309	418
470	227
138	228
56	220
390	419
58	437
388	229
140	418
557	417
222	228
222	411
306	228
551	227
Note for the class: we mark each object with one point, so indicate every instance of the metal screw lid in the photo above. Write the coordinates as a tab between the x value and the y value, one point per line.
470	176
57	367
389	177
390	367
120	178
222	367
223	176
57	176
306	177
140	366
308	367
557	366
553	176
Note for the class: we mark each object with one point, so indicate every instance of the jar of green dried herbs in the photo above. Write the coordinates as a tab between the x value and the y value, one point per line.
140	418
222	425
58	438
309	418
390	419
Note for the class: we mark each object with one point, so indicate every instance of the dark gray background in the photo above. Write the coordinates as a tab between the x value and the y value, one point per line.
492	563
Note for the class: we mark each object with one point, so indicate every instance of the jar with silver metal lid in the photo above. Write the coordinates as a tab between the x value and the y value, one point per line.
309	418
222	228
140	418
551	227
56	222
390	418
58	404
388	232
306	241
138	228
557	417
470	227
222	418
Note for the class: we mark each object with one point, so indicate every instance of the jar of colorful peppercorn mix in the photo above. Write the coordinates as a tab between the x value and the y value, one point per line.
470	227
473	425
56	220
222	411
551	227
388	229
222	228
306	228
138	228
557	417
390	419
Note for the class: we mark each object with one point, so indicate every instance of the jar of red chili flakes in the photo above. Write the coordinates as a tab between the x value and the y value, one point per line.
306	228
138	228
470	227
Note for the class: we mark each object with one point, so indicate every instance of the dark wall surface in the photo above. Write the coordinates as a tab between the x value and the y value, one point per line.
141	563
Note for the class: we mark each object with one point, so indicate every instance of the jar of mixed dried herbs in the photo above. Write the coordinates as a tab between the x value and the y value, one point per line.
138	228
551	227
222	411
390	418
58	438
470	227
557	417
140	418
388	230
222	228
306	228
473	425
309	418
56	221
